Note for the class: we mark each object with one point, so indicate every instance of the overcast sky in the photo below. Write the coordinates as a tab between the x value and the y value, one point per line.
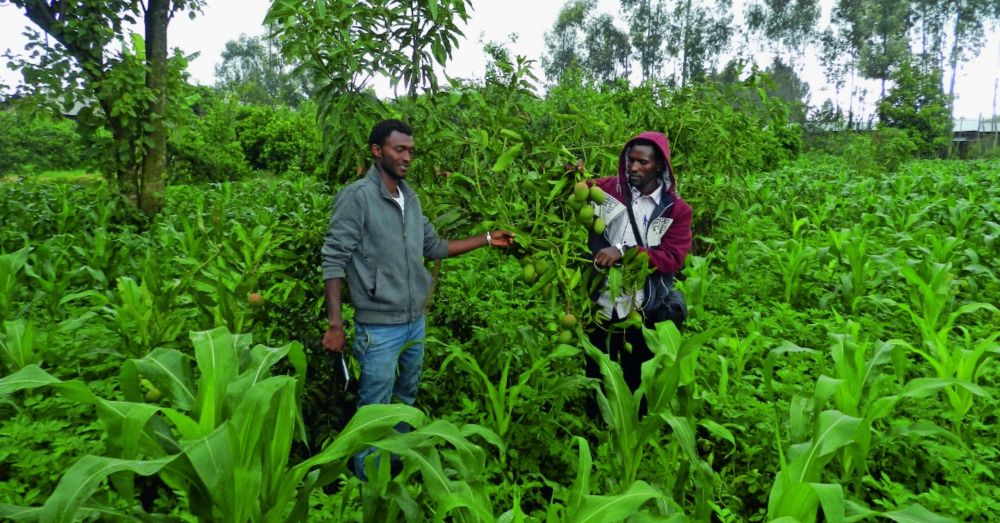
491	20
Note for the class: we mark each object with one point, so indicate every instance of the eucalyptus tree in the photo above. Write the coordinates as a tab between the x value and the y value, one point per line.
647	24
254	69
88	55
565	40
886	43
790	88
343	45
969	20
842	45
697	36
788	25
609	53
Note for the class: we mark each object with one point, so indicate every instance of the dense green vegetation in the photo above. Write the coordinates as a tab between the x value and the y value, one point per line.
838	362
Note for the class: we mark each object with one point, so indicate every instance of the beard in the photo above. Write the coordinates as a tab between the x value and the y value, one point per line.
391	171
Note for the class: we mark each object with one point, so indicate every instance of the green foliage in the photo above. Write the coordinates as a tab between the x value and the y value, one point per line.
918	105
341	45
123	93
278	139
205	147
26	143
253	69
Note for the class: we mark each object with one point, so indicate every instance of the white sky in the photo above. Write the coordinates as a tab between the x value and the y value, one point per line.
492	20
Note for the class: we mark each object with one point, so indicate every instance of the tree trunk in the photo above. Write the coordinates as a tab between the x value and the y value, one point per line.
955	51
154	164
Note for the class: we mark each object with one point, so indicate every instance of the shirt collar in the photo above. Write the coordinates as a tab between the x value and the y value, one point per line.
655	195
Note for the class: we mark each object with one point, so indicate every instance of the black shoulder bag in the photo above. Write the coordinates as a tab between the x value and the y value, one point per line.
663	301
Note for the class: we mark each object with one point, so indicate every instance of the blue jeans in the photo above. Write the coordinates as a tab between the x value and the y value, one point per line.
381	350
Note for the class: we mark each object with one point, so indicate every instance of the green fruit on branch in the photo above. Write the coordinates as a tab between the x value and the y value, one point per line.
599	226
541	267
580	191
528	273
596	195
576	203
586	215
565	337
568	321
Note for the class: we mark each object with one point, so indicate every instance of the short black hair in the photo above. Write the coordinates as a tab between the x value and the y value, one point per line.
383	129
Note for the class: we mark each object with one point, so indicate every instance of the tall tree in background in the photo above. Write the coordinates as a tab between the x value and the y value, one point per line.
885	44
341	45
564	41
698	35
87	56
790	88
254	69
609	53
586	41
969	18
843	43
930	19
647	23
786	25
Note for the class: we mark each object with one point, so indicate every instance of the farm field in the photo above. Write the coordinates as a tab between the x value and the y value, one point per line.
839	363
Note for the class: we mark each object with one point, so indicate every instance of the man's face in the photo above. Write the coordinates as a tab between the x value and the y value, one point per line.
642	168
394	155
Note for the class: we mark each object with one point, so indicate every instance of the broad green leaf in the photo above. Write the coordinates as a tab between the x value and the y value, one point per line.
581	484
85	477
916	514
831	498
923	387
215	353
607	509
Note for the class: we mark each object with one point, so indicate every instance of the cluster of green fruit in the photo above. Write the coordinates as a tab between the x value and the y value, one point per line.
532	269
567	325
580	201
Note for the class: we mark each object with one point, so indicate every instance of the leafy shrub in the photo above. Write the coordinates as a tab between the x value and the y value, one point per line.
206	149
918	104
893	147
279	139
33	143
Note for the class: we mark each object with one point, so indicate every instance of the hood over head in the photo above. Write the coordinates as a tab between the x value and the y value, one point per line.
661	142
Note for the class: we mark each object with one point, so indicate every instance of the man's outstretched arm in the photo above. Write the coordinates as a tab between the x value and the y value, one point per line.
497	238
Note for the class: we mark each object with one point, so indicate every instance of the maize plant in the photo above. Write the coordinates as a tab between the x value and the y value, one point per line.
958	365
668	387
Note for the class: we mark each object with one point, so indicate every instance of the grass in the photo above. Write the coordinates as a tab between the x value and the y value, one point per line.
69	176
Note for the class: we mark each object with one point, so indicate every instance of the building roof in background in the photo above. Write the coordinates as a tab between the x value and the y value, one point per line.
975	125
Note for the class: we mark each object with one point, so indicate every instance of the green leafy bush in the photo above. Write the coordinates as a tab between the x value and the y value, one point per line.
279	139
918	104
34	143
205	148
893	147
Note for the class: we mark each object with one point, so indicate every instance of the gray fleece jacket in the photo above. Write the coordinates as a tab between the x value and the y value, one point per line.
381	251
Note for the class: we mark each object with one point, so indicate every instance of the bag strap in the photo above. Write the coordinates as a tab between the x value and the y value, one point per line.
679	275
635	228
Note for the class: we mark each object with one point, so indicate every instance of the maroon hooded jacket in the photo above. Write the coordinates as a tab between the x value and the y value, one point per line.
668	236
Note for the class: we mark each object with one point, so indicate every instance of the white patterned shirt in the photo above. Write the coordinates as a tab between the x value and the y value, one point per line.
620	231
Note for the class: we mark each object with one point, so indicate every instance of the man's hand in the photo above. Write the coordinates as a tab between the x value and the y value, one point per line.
502	238
607	257
333	340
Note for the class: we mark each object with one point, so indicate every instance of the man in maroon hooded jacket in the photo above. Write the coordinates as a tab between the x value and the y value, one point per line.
646	183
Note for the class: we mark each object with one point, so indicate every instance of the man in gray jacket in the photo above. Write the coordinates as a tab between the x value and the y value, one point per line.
378	238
